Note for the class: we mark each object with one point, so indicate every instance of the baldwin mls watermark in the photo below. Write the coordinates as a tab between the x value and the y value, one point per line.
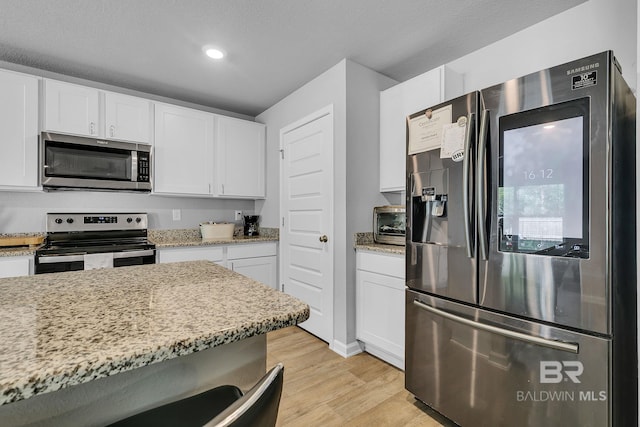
556	372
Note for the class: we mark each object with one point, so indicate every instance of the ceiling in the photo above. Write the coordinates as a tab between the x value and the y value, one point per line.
273	46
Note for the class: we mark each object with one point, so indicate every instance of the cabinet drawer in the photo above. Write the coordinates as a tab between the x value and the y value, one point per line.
215	254
251	251
387	264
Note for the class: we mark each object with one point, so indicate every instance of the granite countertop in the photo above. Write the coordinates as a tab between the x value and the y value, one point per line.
364	241
192	237
61	329
162	239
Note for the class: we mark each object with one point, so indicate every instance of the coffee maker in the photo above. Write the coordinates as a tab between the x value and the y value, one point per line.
251	225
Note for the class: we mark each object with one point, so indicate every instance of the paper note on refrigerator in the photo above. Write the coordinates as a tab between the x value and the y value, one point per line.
453	140
425	131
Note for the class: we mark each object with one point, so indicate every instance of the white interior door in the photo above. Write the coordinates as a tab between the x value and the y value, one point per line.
306	250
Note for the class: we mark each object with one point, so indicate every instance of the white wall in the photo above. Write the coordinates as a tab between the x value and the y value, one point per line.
25	212
362	172
353	90
589	28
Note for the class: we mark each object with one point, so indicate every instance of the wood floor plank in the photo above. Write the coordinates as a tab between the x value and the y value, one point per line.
324	389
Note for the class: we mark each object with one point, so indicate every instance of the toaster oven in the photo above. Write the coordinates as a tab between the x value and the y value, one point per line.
389	224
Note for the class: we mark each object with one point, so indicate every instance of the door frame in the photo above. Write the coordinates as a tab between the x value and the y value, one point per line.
316	115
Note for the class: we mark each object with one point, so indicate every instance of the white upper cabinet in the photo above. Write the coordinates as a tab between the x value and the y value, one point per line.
396	103
183	151
70	108
240	149
19	124
86	111
127	118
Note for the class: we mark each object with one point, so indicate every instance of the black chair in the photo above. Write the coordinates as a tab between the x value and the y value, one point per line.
223	406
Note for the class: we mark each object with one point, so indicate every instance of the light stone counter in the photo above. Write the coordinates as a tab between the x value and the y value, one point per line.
62	329
192	237
364	241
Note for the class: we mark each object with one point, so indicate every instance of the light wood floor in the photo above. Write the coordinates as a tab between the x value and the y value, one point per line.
324	389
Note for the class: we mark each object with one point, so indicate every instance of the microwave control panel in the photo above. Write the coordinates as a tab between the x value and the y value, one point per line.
143	167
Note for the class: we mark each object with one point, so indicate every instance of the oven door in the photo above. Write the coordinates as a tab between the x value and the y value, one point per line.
58	263
77	162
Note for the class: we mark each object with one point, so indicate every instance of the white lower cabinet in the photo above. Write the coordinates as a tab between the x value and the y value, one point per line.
16	266
380	305
258	261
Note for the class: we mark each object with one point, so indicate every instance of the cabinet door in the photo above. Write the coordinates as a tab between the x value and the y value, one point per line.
215	254
127	118
15	266
70	108
261	269
19	124
183	151
240	158
380	315
396	103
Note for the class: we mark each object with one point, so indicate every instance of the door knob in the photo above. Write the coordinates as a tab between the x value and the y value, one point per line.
324	238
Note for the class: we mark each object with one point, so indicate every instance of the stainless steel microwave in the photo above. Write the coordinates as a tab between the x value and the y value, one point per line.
389	223
70	162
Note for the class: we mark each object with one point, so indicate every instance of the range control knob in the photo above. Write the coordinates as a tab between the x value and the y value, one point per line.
129	220
58	220
69	220
138	219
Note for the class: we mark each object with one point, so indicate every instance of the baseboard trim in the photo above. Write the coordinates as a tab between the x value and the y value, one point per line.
346	350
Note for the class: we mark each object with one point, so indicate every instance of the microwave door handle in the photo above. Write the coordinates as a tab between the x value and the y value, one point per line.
134	166
466	186
481	183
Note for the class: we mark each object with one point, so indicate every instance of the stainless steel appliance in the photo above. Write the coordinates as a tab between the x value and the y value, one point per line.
251	225
84	241
389	224
521	251
72	162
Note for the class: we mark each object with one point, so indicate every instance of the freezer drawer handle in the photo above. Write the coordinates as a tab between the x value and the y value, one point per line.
556	345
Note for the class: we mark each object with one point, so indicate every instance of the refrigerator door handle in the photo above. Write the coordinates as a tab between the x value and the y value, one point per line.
481	208
466	185
556	345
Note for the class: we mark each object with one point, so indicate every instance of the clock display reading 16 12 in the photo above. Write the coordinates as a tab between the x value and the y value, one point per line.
538	174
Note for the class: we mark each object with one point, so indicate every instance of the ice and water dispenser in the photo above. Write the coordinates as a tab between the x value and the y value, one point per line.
429	196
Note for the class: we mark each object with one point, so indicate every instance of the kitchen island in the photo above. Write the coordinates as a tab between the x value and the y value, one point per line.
88	347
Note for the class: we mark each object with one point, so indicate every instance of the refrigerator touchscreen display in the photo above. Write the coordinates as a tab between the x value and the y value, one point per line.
543	188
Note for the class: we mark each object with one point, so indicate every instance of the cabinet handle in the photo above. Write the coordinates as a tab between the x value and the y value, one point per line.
112	129
92	128
222	188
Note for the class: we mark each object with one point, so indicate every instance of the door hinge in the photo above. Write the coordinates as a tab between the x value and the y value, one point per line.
282	153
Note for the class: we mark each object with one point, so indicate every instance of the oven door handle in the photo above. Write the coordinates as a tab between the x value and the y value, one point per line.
52	259
132	254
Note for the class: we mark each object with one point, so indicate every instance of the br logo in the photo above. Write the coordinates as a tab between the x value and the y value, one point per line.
553	372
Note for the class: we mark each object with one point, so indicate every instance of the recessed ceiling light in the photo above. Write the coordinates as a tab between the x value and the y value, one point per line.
212	52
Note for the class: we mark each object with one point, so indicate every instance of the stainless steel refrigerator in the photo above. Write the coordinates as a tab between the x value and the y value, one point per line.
521	251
